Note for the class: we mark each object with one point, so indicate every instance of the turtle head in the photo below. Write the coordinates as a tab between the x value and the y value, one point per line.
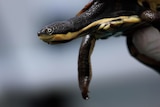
59	32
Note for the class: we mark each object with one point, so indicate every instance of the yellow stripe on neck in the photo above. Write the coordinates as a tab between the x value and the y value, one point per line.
72	35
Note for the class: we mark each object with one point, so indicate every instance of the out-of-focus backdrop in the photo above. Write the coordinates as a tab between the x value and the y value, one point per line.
35	74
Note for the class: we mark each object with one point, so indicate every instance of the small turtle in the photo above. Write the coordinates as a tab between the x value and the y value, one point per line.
138	20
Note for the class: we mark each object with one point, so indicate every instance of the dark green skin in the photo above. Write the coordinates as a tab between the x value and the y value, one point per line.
103	9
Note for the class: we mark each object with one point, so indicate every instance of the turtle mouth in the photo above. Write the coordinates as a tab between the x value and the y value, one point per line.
51	39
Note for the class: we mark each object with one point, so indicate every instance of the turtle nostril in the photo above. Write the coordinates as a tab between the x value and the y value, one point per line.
38	33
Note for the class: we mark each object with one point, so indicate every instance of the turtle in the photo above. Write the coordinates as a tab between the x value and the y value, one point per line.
137	20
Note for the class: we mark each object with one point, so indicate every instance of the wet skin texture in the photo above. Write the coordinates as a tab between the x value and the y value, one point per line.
101	19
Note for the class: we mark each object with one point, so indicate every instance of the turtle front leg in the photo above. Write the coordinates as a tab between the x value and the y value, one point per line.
144	43
84	64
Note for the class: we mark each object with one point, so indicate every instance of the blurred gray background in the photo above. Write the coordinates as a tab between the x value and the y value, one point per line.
35	74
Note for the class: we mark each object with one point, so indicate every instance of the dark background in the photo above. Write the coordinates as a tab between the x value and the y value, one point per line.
35	74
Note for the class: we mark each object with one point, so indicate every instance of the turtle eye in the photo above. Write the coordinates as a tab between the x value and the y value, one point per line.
49	31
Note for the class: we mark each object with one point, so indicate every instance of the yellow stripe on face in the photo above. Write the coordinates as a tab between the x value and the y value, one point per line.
103	24
59	37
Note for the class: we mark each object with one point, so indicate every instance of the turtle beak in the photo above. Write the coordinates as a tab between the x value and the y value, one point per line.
38	33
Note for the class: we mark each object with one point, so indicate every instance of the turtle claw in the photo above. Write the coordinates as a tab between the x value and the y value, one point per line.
85	93
85	96
84	85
